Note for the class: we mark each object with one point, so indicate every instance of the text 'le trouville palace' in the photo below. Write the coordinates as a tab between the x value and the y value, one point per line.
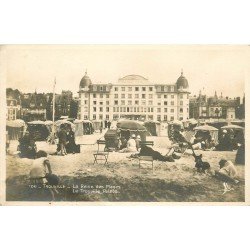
134	97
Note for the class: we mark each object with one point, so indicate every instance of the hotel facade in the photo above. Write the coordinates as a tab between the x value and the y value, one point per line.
134	97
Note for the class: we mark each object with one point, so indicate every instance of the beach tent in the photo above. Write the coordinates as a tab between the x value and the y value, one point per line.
59	123
96	125
133	127
88	127
154	128
15	129
40	130
239	123
206	128
232	126
78	127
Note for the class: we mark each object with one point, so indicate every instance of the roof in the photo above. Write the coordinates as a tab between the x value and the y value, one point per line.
133	77
85	81
182	82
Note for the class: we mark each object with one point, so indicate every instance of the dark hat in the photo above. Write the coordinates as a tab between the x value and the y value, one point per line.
222	162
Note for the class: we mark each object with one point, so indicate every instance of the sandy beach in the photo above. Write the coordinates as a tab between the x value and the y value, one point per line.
121	179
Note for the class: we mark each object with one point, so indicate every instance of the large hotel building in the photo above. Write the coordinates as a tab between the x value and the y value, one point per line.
134	97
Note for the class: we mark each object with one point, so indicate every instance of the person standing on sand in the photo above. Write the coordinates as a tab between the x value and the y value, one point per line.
62	136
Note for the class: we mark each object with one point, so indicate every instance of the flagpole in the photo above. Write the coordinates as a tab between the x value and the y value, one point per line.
53	113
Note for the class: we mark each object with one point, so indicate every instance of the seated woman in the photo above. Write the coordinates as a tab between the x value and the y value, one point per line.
27	146
41	172
227	173
131	145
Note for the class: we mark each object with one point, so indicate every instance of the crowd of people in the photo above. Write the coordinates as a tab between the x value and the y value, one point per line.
131	143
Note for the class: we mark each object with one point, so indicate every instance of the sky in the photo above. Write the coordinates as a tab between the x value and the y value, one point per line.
207	68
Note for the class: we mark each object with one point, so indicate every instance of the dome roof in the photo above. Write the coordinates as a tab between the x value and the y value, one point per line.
182	82
133	77
86	81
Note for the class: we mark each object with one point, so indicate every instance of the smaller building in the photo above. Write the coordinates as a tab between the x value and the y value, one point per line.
13	109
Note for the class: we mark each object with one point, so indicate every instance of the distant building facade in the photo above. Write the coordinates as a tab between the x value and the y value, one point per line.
134	97
204	107
13	101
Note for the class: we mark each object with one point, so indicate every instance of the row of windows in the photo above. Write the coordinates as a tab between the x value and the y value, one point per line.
134	88
129	102
130	96
116	116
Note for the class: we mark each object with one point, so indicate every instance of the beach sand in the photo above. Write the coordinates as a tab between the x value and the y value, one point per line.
171	181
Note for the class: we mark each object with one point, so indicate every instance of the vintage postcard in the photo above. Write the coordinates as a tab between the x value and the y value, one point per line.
124	124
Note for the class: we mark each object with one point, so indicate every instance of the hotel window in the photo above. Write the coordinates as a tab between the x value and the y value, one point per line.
101	88
123	88
152	109
159	96
150	117
150	102
123	95
107	117
150	88
165	110
172	96
94	109
107	102
122	102
172	103
129	102
172	88
158	118
150	96
181	103
171	118
85	102
127	109
181	110
143	103
136	102
116	95
143	96
107	95
129	96
101	109
101	95
85	117
181	96
159	104
145	109
165	96
124	109
143	88
129	88
136	95
165	118
172	110
107	109
94	95
141	109
86	95
162	88
159	110
120	109
94	117
94	88
94	102
85	109
148	109
134	109
138	109
165	103
136	88
101	103
100	117
116	88
116	102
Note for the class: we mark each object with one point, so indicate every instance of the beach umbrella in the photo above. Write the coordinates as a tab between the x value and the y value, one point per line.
232	126
130	125
15	123
206	128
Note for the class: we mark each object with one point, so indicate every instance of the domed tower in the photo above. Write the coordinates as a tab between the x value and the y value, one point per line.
182	82
84	97
85	81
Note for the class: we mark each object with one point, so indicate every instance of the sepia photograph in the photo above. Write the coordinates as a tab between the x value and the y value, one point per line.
125	123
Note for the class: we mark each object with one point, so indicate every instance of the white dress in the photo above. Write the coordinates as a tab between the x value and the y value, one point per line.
39	169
